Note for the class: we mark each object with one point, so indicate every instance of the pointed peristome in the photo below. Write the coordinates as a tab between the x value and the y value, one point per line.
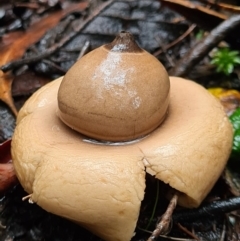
125	43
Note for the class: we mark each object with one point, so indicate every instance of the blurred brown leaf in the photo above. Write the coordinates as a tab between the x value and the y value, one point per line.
5	152
14	48
230	99
7	173
27	83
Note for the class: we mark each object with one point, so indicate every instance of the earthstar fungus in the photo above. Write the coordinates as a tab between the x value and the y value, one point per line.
130	121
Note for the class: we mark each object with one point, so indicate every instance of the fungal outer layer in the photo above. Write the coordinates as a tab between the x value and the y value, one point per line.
101	186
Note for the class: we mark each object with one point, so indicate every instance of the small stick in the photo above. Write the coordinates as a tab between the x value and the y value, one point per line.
53	65
29	197
177	239
223	232
163	225
2	226
84	49
192	235
26	197
176	41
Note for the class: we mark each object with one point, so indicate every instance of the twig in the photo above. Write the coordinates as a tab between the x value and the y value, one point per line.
176	41
188	232
59	45
196	54
223	234
2	226
26	197
163	225
174	238
208	210
29	198
53	65
84	49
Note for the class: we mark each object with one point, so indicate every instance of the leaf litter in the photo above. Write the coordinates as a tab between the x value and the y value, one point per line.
154	26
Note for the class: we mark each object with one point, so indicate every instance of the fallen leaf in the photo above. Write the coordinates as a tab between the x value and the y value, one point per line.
5	152
6	80
27	83
9	38
15	49
7	173
230	99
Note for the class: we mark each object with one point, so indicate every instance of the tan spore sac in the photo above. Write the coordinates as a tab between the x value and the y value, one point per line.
110	97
